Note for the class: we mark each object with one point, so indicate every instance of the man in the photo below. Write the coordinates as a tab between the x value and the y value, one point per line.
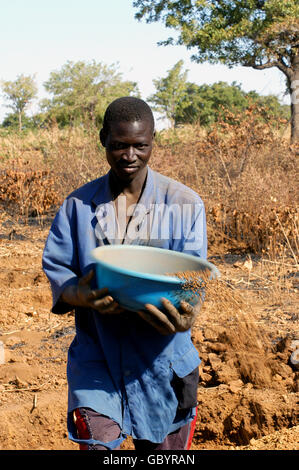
129	373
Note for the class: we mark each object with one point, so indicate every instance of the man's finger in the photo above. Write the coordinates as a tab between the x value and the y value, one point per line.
104	302
157	319
107	306
113	309
85	280
182	319
172	312
97	293
187	308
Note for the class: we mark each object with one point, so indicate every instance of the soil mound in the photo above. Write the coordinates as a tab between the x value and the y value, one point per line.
248	389
252	382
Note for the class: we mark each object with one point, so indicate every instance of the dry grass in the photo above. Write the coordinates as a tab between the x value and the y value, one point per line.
245	171
247	176
38	170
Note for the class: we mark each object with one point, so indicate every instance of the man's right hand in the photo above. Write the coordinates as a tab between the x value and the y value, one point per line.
82	295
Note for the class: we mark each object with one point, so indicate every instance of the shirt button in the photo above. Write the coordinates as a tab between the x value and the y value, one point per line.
127	372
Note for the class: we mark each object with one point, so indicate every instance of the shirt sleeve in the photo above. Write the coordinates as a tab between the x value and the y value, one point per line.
60	257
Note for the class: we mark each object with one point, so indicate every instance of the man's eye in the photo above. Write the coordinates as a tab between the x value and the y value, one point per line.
122	146
117	146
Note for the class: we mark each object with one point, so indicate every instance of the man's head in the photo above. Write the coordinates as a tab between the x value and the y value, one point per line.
127	135
127	109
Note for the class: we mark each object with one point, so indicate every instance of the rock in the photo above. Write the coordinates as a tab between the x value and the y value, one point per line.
205	377
20	383
247	387
235	386
223	388
226	373
283	345
285	398
12	341
214	360
197	336
216	347
30	313
18	372
285	371
210	334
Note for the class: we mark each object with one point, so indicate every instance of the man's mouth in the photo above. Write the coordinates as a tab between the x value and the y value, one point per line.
128	168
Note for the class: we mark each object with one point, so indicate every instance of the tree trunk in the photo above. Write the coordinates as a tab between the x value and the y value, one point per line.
294	85
20	121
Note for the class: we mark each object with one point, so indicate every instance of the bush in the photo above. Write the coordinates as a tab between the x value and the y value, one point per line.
243	168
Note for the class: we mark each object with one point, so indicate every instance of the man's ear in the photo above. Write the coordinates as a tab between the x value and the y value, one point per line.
103	137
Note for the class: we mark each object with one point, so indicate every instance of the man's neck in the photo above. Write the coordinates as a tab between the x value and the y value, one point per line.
132	189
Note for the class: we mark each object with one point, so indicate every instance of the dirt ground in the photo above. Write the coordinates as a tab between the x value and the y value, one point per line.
246	334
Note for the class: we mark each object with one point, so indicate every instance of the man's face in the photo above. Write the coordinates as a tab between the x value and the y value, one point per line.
128	148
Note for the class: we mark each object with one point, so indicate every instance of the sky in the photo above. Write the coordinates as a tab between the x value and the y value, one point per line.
38	37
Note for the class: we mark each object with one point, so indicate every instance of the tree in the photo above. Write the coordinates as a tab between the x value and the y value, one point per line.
208	103
253	33
171	92
20	93
81	91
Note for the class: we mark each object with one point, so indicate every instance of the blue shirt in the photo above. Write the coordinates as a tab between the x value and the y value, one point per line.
119	365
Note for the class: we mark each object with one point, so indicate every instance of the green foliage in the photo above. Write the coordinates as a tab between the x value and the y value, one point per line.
253	33
209	103
12	121
19	94
183	102
81	92
171	92
250	32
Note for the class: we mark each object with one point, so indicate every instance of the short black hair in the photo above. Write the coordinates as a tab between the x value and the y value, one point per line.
129	109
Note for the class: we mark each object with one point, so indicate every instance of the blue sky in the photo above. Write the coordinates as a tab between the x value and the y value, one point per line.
39	36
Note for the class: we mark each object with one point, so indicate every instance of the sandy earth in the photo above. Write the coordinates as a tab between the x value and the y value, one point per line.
248	390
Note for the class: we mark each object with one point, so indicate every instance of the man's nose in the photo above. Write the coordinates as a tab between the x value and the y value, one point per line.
129	153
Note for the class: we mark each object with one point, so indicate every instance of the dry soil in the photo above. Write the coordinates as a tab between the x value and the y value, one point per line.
246	335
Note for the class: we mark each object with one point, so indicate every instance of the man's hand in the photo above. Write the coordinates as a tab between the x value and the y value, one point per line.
173	320
82	295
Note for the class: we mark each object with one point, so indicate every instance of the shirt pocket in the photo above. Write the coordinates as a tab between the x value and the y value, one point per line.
185	379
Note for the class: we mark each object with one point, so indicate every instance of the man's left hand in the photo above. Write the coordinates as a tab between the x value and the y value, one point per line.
173	320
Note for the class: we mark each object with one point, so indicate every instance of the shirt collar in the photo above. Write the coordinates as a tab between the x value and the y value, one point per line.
103	193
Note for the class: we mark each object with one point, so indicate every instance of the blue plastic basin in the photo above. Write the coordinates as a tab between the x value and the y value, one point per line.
136	275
